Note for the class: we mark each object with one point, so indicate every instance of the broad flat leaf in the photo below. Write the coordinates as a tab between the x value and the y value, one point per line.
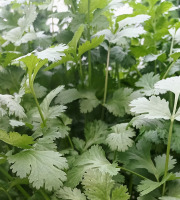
88	45
120	138
40	90
68	96
94	4
43	168
10	78
119	104
160	164
133	20
33	64
169	84
154	108
120	193
95	133
88	102
92	159
140	157
78	143
45	105
15	123
106	33
53	53
147	186
152	57
73	43
140	121
163	7
15	139
95	158
12	105
67	193
97	185
29	18
169	198
147	82
129	33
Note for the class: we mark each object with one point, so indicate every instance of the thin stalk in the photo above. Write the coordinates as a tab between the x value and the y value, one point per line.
81	71
143	177
89	37
35	98
44	195
70	141
106	78
37	104
169	142
9	177
117	74
169	68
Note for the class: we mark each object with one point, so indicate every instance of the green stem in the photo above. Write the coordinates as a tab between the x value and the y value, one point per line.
169	142
70	141
169	68
106	77
44	195
81	71
143	177
26	195
117	74
35	98
89	37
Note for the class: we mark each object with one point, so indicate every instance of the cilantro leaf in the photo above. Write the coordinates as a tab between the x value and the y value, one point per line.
43	168
120	138
154	108
15	139
67	193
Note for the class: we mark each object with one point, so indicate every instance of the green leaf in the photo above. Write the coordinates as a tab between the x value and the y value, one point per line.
88	45
12	105
163	7
43	168
154	108
33	64
97	185
147	82
15	139
73	43
147	186
53	53
120	193
92	159
119	104
120	137
88	101
40	90
67	193
160	164
138	19
95	133
169	84
140	157
67	96
29	18
94	4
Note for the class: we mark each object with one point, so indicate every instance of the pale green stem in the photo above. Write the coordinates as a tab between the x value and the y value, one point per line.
37	103
169	141
70	141
143	177
169	68
106	77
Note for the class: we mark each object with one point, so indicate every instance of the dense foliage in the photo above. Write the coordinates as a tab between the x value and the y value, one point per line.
89	105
